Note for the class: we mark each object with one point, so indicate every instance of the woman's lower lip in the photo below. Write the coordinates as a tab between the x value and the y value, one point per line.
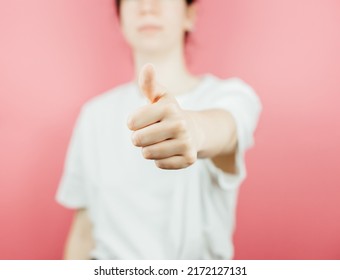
149	29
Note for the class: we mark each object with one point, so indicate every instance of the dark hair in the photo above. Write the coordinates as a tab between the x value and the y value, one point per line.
188	2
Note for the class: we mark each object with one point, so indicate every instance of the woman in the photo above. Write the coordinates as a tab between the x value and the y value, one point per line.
152	170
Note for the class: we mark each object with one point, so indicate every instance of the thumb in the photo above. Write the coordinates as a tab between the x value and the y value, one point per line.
148	85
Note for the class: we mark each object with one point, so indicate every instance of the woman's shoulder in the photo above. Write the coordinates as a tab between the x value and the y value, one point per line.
217	85
232	81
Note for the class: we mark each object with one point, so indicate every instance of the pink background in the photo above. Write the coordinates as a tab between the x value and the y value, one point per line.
56	54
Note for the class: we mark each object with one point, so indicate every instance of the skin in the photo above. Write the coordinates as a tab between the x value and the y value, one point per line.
164	48
171	136
79	241
174	138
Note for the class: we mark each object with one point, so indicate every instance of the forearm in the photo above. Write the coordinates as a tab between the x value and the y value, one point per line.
77	248
215	132
80	241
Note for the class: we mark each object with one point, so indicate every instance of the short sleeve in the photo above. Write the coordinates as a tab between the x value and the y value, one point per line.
71	191
241	101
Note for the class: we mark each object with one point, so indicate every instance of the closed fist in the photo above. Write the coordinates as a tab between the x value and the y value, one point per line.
165	132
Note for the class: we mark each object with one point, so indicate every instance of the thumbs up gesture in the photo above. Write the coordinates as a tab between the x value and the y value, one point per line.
165	132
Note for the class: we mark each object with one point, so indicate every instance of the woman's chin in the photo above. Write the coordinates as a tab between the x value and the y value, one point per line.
150	48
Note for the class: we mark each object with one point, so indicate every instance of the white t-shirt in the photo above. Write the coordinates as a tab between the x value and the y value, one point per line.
140	211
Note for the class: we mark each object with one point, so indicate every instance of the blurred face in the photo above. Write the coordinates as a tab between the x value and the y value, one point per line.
155	25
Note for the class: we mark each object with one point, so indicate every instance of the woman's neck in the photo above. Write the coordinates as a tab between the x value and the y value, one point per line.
171	70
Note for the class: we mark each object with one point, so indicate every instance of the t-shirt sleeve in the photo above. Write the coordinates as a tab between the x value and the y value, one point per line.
71	191
241	101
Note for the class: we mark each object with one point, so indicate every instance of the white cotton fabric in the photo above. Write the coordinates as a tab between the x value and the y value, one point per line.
140	211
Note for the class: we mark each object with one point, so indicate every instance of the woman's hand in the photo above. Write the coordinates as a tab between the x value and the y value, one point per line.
167	134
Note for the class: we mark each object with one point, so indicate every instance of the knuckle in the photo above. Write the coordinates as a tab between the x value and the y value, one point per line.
181	126
147	153
131	123
159	164
170	109
136	139
191	158
185	145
